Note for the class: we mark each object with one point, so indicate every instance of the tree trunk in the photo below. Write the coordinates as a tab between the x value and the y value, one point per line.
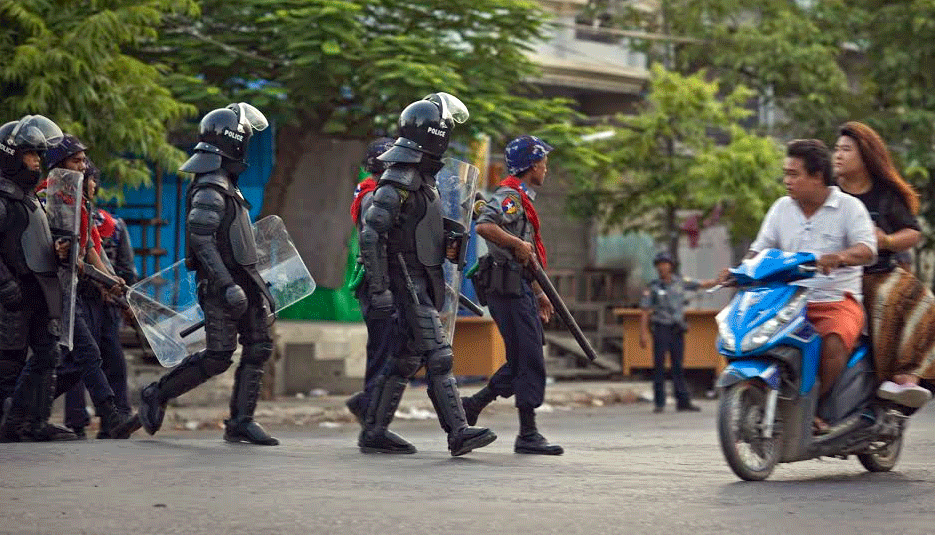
311	188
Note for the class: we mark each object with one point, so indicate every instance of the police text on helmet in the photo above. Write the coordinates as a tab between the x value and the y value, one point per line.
436	131
8	150
234	135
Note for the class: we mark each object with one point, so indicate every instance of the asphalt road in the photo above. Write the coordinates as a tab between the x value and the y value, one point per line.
625	471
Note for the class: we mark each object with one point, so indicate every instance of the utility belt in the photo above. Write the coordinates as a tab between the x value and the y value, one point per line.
499	277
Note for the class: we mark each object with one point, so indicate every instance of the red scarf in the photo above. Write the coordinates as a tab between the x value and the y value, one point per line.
531	215
365	187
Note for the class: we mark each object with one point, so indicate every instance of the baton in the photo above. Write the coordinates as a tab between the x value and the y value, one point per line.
469	305
108	283
560	308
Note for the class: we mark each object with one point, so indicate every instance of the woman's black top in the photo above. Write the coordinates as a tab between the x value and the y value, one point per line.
890	212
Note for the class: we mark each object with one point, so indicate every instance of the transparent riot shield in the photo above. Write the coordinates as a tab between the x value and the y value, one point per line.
457	182
166	304
63	197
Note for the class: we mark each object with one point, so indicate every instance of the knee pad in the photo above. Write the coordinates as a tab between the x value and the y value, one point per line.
256	354
440	361
216	362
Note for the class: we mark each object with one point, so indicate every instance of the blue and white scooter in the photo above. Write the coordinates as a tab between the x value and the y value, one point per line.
769	390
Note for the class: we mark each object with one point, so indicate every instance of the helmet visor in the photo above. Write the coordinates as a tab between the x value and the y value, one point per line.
452	107
37	132
252	117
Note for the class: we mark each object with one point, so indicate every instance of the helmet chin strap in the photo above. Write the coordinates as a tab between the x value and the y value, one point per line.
27	179
431	164
234	167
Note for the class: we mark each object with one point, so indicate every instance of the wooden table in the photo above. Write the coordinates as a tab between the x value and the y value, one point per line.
700	342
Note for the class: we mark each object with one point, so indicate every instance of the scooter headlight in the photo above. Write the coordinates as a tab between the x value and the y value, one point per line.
762	334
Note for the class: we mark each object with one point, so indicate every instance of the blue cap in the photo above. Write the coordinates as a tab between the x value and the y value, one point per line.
523	152
663	256
374	150
69	146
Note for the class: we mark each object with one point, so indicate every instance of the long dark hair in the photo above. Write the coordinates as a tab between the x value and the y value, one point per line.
877	161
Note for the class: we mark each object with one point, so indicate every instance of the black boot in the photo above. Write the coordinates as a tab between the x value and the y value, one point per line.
184	377
529	440
11	425
242	427
355	404
37	427
115	424
461	438
474	405
376	436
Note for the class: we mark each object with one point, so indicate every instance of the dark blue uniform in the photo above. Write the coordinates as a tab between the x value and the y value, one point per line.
103	321
666	301
515	312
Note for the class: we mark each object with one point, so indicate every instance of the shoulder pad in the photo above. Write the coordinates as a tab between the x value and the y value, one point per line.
389	195
9	189
404	176
214	179
208	198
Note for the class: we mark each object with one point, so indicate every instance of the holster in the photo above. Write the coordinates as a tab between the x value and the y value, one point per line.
500	277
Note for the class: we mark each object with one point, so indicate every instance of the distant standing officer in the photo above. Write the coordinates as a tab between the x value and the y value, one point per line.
510	225
663	305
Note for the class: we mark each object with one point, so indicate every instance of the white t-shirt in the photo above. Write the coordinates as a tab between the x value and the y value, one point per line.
841	222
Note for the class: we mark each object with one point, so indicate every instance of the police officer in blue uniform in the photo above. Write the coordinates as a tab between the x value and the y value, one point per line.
663	305
510	225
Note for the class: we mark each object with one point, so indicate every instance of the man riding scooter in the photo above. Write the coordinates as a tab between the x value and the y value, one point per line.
818	218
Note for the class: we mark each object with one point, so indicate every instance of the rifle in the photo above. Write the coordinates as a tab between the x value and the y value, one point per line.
560	308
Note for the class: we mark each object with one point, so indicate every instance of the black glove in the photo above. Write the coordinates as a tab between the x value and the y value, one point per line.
235	299
11	297
381	304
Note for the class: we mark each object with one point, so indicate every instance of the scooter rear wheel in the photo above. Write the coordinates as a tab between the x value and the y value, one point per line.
883	461
741	412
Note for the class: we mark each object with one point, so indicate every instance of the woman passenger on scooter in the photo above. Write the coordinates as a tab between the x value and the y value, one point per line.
900	309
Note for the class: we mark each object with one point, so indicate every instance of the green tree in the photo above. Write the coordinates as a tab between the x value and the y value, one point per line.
668	158
789	53
73	62
895	42
346	68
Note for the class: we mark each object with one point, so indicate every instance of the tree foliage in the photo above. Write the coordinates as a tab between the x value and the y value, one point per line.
73	62
346	68
668	157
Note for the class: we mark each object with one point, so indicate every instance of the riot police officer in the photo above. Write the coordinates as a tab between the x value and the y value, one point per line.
222	253
663	305
83	365
382	332
403	246
510	225
30	292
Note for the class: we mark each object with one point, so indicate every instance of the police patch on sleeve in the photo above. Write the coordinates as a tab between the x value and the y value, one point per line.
509	205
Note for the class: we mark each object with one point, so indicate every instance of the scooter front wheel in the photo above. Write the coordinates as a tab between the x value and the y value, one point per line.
741	415
884	460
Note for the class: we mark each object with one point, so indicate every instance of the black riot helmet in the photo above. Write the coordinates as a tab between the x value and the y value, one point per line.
223	138
425	128
32	133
